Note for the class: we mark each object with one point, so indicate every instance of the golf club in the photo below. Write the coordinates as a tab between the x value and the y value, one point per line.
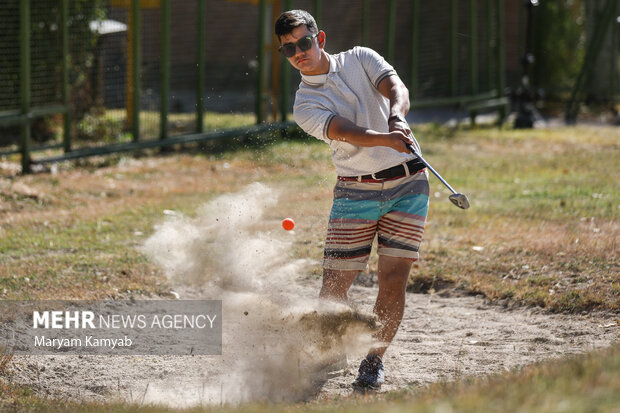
458	199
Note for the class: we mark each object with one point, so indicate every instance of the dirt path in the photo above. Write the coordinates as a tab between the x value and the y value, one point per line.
439	339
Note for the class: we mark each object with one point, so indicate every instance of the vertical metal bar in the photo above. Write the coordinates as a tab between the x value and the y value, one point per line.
490	43
391	31
473	44
501	76
613	62
129	69
137	62
317	11
453	46
275	92
285	88
64	24
415	47
366	23
164	105
24	86
260	78
521	26
202	45
616	70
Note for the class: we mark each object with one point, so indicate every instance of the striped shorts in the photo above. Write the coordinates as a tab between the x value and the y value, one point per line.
394	210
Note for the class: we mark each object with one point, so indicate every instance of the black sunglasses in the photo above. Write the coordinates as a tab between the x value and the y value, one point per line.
305	43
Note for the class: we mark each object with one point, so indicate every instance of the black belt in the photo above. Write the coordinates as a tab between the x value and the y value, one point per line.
397	171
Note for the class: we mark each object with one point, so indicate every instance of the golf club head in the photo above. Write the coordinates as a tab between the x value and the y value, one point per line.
460	200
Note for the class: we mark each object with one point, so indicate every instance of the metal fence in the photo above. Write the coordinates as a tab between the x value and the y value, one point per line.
92	77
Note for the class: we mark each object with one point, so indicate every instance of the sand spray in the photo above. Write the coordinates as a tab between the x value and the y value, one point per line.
277	336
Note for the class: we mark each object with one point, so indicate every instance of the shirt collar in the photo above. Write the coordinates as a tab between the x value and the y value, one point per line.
318	80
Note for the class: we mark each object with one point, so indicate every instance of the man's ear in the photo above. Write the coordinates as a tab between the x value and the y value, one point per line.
321	38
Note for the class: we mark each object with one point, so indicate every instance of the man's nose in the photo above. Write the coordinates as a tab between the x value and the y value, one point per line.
298	50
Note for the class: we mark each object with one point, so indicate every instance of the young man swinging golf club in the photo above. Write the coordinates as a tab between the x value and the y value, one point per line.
356	102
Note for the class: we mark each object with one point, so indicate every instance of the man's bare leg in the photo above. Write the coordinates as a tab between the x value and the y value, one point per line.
390	304
336	283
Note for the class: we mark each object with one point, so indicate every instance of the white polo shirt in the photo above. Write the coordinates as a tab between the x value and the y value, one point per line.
349	90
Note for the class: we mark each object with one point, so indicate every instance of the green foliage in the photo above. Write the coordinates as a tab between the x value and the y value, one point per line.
559	45
82	47
46	58
104	129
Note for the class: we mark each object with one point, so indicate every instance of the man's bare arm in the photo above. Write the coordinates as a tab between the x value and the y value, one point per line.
395	90
342	129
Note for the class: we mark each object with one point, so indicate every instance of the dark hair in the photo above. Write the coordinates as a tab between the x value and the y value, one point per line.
291	19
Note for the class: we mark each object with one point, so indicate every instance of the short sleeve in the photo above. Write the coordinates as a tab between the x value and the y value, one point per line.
374	64
313	119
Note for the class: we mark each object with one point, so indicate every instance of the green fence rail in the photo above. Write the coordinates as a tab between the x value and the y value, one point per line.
472	93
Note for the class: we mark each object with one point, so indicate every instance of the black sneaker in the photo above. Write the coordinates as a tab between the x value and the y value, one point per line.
370	376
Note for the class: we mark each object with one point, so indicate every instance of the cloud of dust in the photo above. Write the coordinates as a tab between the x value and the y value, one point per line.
277	335
219	247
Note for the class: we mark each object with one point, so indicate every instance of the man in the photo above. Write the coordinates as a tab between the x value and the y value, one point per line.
356	103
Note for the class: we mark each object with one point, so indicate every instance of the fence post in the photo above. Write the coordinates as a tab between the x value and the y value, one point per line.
317	11
137	61
24	86
285	87
490	44
613	61
501	76
366	23
473	44
164	106
453	46
415	47
64	23
202	36
391	31
260	81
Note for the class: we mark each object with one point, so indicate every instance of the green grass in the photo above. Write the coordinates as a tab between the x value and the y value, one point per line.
86	259
178	123
542	216
543	223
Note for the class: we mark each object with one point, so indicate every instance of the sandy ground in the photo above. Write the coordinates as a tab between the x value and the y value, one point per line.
441	338
271	351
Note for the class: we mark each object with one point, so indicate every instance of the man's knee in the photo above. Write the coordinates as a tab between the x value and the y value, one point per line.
394	270
395	265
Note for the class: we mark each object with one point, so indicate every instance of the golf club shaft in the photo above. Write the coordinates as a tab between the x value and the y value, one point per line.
412	149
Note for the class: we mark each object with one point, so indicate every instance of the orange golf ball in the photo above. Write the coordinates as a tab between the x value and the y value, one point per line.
288	224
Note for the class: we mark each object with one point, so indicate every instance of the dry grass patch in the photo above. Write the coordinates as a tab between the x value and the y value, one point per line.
563	267
540	231
80	242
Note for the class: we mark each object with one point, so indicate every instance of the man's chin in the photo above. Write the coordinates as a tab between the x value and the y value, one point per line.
307	70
